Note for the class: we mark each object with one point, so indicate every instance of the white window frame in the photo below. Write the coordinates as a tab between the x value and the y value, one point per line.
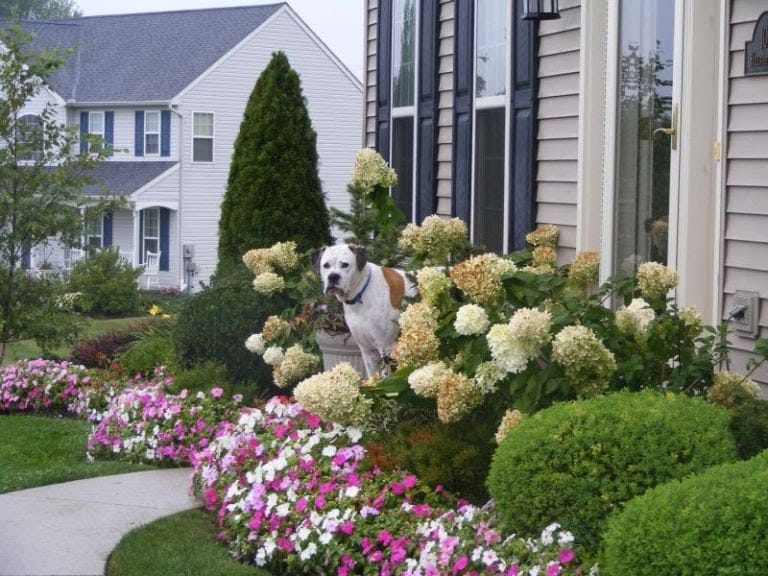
94	229
407	111
145	236
148	132
92	147
35	153
487	103
195	137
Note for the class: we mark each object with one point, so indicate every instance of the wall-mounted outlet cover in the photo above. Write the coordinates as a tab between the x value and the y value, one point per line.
747	326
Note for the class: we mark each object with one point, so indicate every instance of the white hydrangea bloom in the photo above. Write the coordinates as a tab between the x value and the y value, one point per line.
636	317
273	355
471	319
425	381
255	343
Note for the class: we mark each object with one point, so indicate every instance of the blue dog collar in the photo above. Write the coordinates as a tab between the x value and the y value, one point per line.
359	298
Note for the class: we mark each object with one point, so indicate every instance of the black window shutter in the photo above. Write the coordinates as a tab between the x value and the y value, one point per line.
522	137
109	128
165	133
383	76
83	132
462	108
426	160
107	228
139	140
165	238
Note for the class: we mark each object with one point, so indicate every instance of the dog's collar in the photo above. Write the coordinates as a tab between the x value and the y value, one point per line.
359	298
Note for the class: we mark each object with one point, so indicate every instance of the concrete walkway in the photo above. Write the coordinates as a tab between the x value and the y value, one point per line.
70	529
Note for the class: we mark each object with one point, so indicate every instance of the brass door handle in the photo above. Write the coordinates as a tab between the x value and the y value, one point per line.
667	131
671	131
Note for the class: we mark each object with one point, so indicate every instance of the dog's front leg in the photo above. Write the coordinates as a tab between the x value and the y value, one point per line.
371	360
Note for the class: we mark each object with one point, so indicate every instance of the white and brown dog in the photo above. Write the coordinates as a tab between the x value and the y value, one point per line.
371	294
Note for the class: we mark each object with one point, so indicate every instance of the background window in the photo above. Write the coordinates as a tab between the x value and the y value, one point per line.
202	137
151	228
96	128
488	221
491	48
94	233
152	133
402	162
30	137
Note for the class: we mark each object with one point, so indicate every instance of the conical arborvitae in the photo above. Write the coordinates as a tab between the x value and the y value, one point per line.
273	192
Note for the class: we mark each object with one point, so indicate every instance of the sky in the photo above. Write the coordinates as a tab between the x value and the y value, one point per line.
339	23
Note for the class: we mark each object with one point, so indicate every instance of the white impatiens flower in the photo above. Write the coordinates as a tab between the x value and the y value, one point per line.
255	343
273	355
425	381
471	319
635	318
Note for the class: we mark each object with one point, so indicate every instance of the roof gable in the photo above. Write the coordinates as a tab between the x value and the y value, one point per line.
143	57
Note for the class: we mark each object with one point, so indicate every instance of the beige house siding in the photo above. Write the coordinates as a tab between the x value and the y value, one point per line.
745	243
444	170
370	74
558	130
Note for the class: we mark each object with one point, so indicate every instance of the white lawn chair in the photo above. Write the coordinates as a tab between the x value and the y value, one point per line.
75	255
151	270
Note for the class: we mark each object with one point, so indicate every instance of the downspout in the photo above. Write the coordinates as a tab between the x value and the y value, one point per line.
173	107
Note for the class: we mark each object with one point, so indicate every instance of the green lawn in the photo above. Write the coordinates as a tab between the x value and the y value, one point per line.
37	450
178	545
93	327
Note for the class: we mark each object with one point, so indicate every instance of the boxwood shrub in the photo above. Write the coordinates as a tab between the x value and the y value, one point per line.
576	463
713	523
107	285
213	327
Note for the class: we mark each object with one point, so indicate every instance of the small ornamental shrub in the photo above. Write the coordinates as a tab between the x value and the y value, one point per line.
149	352
106	285
578	462
214	325
749	426
713	523
102	350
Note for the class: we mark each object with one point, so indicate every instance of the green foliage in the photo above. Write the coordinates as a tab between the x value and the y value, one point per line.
273	192
713	523
214	325
39	9
106	284
576	463
152	349
42	181
749	426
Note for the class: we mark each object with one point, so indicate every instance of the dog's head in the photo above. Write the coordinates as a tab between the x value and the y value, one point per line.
339	266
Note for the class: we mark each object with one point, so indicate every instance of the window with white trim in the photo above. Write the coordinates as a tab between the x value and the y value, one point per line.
96	128
202	137
30	138
403	138
152	133
489	225
94	233
150	241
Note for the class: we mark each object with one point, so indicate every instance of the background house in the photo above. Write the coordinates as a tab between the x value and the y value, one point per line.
168	91
648	138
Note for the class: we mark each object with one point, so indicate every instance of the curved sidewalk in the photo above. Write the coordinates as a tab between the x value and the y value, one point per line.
70	529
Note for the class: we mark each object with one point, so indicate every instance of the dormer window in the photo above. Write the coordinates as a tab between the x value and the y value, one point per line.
152	133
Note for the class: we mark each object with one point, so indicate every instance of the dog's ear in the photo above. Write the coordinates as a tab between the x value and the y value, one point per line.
317	255
361	255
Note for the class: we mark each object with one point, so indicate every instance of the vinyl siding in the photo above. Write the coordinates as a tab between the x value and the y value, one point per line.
370	74
334	99
558	110
745	243
444	172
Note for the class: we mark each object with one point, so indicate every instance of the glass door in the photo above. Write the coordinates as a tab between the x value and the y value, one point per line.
647	133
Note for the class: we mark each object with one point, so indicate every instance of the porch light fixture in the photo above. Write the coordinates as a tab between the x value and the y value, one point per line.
540	10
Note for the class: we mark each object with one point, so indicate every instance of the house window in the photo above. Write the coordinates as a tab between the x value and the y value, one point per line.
152	133
489	202
30	138
150	241
404	58
94	233
202	137
96	128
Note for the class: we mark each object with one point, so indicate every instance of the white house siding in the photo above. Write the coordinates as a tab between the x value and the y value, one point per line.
122	230
745	255
445	108
334	100
558	111
370	74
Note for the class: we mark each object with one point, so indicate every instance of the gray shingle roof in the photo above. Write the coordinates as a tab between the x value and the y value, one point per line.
124	177
143	57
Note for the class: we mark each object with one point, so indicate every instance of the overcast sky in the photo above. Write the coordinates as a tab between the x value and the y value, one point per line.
339	23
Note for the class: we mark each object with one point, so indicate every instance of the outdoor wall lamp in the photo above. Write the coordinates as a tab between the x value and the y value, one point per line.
540	10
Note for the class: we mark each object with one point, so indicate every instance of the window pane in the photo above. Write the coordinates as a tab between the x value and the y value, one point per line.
96	123
203	124
402	162
30	137
150	245
152	121
152	223
94	241
488	225
202	150
152	145
646	40
491	48
403	53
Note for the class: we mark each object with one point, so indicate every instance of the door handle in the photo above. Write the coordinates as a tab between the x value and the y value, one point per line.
671	131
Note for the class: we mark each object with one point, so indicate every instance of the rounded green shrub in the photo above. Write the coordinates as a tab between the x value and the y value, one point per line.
106	285
713	523
149	351
576	463
214	325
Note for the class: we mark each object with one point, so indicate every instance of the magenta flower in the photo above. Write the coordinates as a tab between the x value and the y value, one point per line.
217	392
566	556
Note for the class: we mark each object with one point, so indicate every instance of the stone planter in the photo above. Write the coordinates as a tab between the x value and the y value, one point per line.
339	347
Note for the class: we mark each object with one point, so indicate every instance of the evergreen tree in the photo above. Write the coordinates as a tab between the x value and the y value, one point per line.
39	9
273	192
